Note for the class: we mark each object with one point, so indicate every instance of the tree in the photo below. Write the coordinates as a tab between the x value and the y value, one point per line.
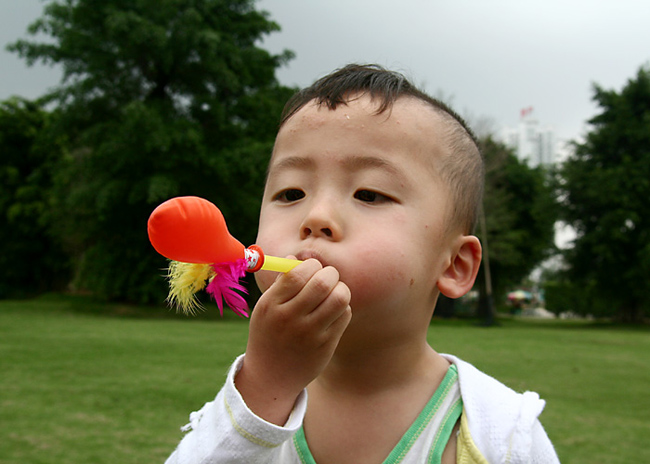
158	99
605	186
520	214
31	260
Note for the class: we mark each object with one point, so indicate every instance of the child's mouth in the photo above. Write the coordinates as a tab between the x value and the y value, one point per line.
310	254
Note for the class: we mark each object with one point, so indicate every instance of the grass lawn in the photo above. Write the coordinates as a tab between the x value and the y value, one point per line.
88	383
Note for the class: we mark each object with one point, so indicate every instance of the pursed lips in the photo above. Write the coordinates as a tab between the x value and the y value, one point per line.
311	254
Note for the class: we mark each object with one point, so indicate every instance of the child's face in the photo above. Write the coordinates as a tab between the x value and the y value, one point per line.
360	192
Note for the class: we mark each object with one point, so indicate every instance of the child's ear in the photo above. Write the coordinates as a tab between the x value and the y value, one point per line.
460	275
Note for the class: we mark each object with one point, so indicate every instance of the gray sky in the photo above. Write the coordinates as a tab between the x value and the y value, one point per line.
489	58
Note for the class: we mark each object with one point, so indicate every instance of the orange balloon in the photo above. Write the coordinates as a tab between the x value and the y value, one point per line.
192	230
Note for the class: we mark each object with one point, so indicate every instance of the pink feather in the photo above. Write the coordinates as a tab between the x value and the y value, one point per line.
224	286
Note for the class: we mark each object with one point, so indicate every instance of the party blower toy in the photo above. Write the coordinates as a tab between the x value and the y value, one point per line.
192	233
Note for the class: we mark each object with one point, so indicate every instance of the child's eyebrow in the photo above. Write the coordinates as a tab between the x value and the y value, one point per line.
354	163
358	163
293	162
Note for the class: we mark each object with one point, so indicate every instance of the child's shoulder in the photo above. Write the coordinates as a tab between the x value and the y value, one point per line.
488	395
497	420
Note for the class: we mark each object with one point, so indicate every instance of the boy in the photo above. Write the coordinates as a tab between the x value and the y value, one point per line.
376	186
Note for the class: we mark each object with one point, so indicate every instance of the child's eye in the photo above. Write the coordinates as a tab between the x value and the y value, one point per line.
290	195
368	196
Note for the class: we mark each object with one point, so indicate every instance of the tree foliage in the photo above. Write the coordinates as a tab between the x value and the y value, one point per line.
31	259
520	214
605	186
158	99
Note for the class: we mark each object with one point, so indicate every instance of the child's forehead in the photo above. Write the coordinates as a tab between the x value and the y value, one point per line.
364	108
408	135
408	120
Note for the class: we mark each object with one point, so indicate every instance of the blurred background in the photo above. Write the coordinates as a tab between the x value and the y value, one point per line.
109	107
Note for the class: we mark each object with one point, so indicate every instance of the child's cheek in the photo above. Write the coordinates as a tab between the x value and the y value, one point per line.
375	284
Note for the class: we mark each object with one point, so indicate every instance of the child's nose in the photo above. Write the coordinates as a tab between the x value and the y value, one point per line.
325	231
321	222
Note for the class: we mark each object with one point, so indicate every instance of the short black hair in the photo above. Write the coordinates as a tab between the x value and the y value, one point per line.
463	169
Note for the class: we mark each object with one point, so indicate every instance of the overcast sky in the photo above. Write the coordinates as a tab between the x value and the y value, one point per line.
489	58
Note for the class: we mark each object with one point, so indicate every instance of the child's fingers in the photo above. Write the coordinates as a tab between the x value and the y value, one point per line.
338	326
280	274
289	285
320	288
333	307
310	296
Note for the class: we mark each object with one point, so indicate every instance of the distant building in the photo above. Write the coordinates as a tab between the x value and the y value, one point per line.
532	143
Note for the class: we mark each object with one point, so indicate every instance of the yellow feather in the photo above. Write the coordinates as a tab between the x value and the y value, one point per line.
185	280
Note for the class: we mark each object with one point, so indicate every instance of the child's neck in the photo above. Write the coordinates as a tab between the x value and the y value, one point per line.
377	369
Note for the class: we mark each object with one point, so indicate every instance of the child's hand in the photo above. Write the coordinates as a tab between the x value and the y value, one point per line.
294	330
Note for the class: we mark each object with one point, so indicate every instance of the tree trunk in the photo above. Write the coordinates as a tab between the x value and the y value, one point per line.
445	307
630	313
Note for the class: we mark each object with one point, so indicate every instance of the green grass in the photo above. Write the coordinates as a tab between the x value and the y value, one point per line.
90	388
594	377
88	383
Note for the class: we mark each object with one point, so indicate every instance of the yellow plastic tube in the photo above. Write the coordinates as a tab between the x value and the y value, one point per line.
273	263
